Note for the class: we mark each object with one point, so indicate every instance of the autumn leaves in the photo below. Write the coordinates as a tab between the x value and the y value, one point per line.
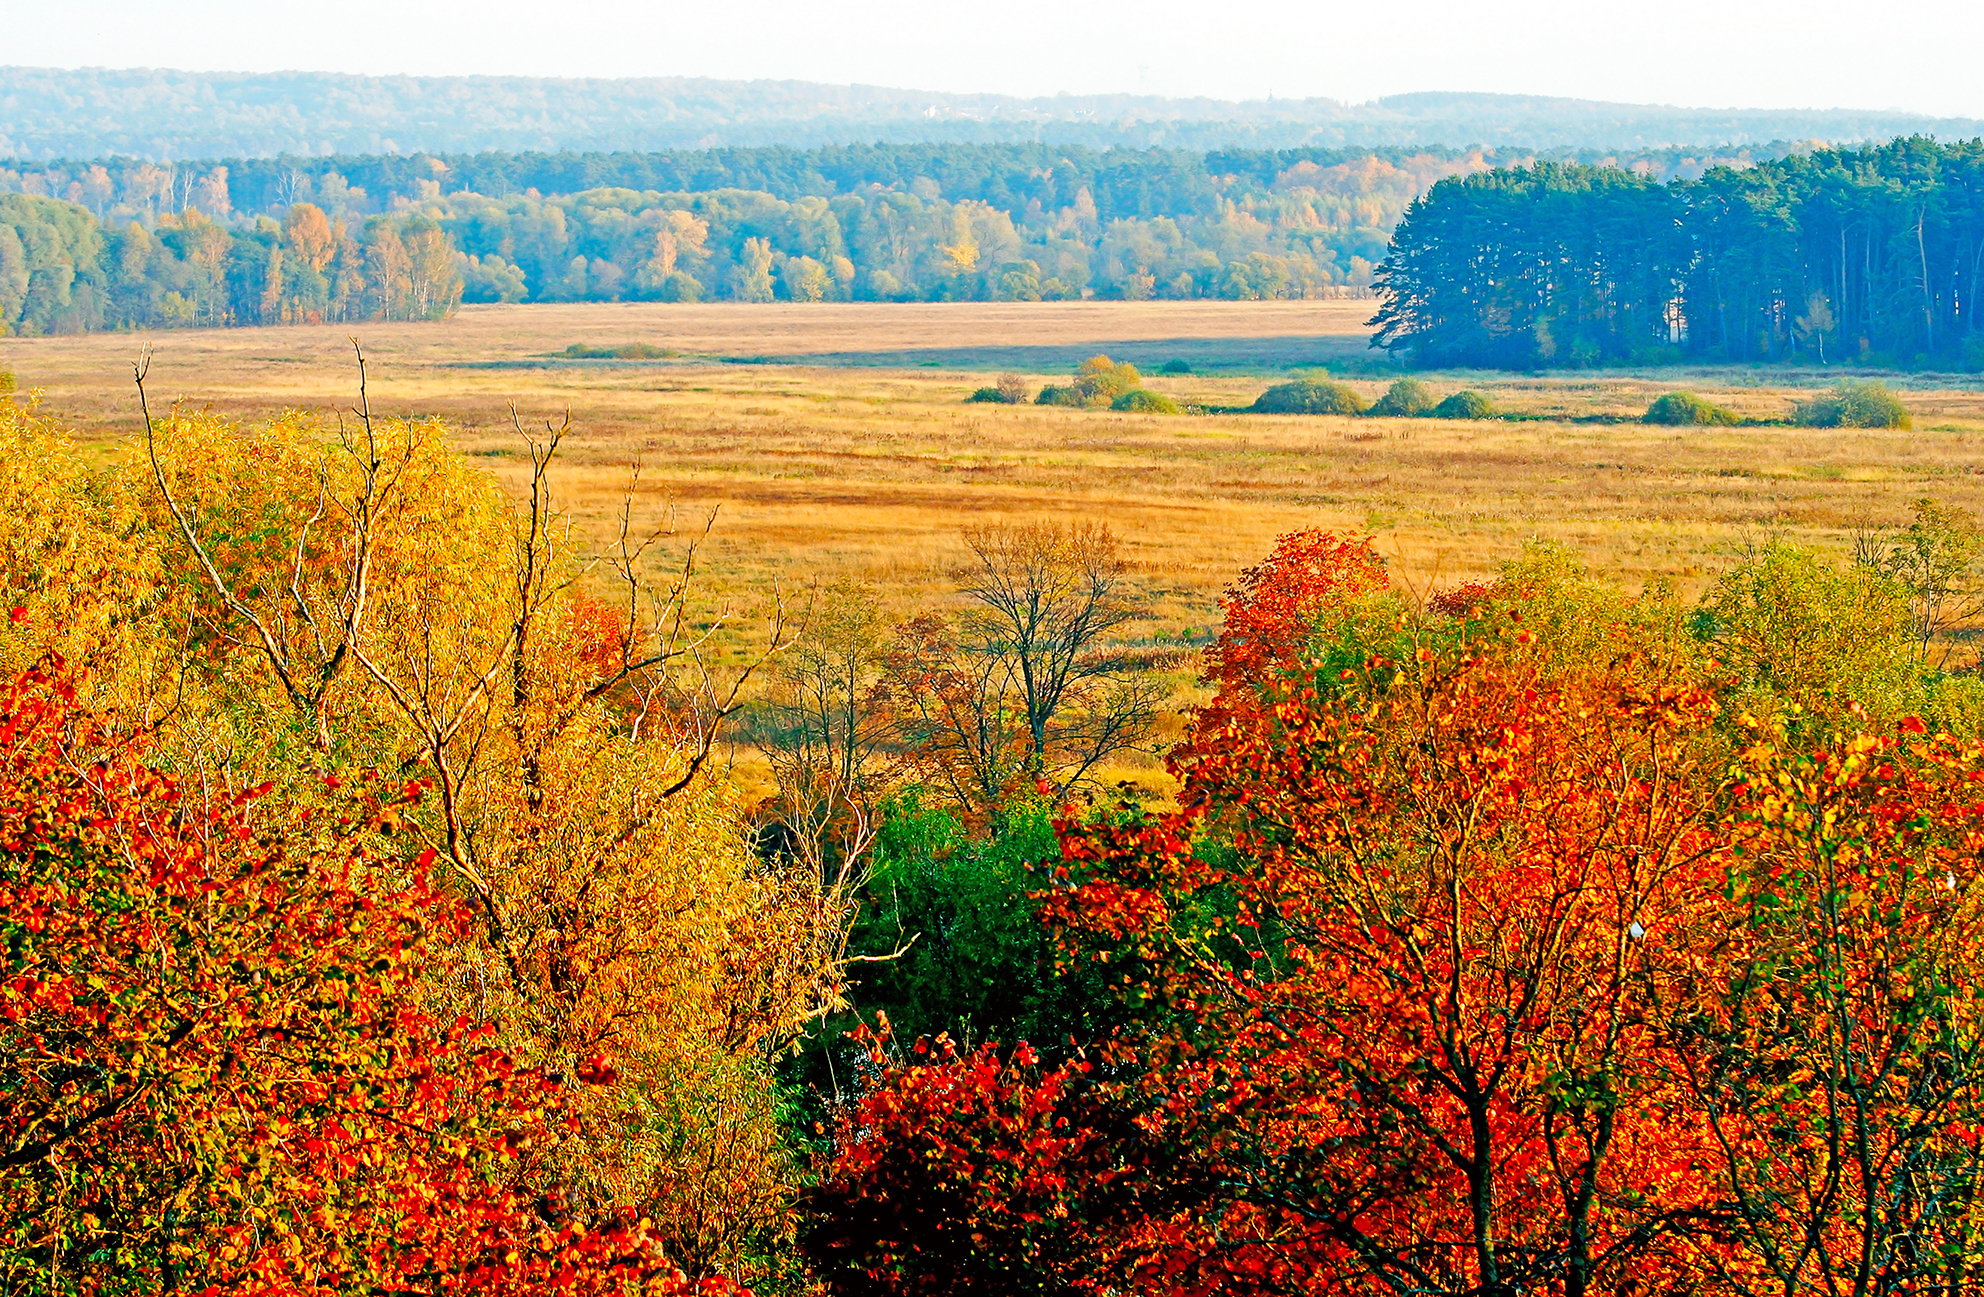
1491	954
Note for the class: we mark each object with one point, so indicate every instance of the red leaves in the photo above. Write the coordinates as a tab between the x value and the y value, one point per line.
220	1077
1427	981
1272	610
596	1070
963	1174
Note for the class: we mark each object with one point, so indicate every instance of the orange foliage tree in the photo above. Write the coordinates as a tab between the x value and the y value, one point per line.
1472	966
219	1076
1404	1021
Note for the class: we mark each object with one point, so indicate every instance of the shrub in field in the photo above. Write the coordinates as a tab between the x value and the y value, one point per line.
1143	401
1097	382
1405	399
1175	367
1682	408
1465	404
1309	396
1853	404
1010	390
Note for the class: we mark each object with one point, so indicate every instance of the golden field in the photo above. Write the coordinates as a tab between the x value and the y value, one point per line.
835	439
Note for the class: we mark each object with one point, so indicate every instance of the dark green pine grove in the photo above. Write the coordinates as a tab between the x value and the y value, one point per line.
1872	255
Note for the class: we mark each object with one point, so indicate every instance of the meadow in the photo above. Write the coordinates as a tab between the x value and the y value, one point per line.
836	438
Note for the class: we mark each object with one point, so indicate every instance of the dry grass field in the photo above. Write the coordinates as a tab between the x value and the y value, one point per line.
835	439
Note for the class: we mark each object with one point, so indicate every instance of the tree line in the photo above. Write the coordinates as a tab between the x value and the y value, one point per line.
63	271
1865	256
125	242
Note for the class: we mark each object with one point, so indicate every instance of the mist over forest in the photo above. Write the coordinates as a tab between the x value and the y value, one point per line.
165	115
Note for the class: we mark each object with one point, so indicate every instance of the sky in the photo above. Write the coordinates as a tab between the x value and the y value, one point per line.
1918	55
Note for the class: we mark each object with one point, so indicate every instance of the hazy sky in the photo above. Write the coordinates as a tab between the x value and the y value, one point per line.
1924	55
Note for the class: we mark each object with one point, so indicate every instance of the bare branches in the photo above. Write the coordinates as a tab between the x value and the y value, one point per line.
305	662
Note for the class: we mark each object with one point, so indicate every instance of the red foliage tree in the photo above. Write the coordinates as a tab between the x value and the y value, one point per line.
219	1076
1406	1023
1273	610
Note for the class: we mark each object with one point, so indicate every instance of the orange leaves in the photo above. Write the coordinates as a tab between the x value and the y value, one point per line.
1412	985
220	1074
1272	610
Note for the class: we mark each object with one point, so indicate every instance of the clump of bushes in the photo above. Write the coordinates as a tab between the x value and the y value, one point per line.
1098	381
626	351
1174	367
1142	401
1679	408
6	381
1408	398
1853	404
1010	390
1309	396
1466	404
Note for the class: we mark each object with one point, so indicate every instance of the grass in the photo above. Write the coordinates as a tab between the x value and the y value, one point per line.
853	454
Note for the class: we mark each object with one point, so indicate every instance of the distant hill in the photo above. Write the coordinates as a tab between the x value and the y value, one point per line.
163	115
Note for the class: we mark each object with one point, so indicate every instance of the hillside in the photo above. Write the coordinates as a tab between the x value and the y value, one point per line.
163	114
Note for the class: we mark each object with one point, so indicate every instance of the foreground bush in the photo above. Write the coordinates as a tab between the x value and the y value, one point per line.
1309	396
1677	409
220	1075
1407	398
968	1176
1853	404
1466	404
618	909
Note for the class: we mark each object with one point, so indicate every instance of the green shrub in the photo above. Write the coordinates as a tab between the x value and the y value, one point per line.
1054	394
1145	402
1309	396
1467	404
1010	390
1678	408
1408	398
1175	367
985	396
1853	404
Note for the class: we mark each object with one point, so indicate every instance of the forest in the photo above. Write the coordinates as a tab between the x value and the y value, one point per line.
126	243
378	914
1865	256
